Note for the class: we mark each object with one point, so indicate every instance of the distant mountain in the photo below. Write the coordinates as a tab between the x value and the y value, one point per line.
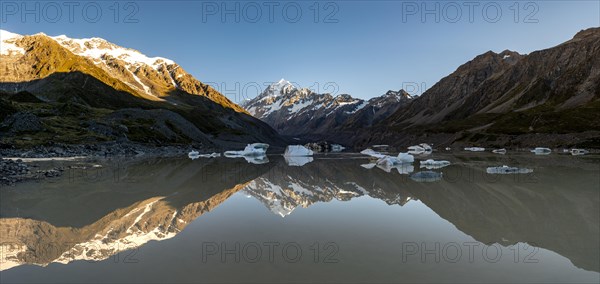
94	74
549	97
300	111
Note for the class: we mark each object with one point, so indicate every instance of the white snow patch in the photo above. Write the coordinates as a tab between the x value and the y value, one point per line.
7	43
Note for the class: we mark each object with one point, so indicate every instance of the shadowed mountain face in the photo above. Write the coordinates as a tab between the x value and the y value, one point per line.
100	77
551	91
126	205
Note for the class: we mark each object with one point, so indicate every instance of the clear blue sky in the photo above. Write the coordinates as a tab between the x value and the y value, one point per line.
375	46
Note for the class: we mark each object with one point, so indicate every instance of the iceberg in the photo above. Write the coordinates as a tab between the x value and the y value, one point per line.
505	170
416	150
426	146
400	159
402	169
297	161
499	151
337	148
193	155
213	155
372	153
405	158
579	152
297	151
475	149
402	162
541	151
420	149
251	150
432	164
426	176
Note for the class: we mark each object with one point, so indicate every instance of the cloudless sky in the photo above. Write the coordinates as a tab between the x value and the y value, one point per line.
362	48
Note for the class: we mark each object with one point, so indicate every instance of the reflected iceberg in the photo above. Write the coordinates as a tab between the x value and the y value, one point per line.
296	161
257	160
432	164
579	152
475	149
253	153
195	155
256	149
297	151
541	151
505	170
426	176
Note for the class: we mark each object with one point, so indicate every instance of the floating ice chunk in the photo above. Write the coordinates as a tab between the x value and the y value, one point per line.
499	151
256	149
416	150
193	155
505	170
297	161
386	162
426	146
579	152
421	149
448	148
405	158
370	152
368	166
475	149
337	148
426	176
212	155
431	164
541	151
297	151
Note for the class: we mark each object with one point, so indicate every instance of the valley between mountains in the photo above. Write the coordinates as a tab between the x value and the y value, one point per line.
56	90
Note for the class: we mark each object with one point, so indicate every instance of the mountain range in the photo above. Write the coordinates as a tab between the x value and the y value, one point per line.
69	90
302	112
506	99
89	90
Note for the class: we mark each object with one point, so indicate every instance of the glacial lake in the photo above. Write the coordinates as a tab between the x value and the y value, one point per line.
329	220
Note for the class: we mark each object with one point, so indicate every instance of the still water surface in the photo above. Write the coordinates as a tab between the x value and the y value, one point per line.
227	220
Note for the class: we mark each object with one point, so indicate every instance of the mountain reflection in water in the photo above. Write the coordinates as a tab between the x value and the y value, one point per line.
95	214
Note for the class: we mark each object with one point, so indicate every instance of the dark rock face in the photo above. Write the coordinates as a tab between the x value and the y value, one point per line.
12	172
22	122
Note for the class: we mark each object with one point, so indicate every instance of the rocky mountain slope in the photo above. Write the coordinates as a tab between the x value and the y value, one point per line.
45	75
496	98
303	112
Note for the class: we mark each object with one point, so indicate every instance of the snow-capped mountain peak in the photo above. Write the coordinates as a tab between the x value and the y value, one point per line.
293	110
7	43
98	49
